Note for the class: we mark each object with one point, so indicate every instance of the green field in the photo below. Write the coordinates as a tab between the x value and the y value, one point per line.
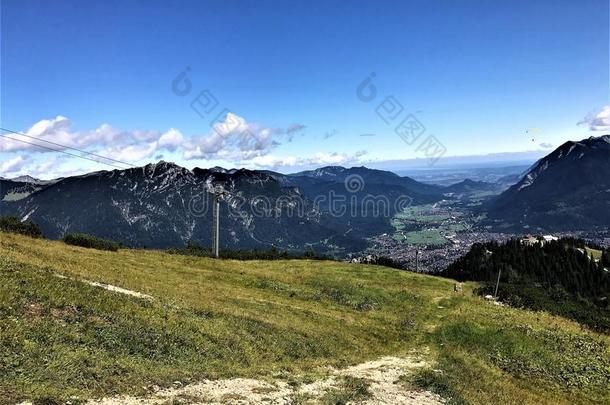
422	213
426	225
62	338
423	237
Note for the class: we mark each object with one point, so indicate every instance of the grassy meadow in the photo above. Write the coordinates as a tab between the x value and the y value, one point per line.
61	338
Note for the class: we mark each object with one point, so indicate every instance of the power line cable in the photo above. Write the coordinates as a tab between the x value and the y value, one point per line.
63	146
62	151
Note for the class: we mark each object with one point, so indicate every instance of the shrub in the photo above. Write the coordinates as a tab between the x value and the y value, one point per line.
194	249
389	262
15	225
88	241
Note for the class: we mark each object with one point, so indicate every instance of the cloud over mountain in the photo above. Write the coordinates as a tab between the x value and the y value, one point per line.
318	159
234	138
237	139
56	134
598	121
12	165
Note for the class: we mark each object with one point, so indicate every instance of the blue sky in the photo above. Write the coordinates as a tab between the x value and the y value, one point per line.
98	76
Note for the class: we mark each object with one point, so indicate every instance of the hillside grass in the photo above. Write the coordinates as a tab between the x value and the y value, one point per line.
61	338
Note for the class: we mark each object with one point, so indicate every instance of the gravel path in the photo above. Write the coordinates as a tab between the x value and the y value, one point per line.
382	375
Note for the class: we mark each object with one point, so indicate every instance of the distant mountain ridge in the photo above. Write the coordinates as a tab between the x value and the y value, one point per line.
567	189
157	206
470	186
340	174
32	180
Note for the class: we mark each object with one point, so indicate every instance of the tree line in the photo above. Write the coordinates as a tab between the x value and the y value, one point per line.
558	276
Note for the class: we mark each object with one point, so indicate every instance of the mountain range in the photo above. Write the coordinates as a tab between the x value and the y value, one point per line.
332	209
164	205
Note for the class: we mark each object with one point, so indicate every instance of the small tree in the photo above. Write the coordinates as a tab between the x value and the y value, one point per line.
15	225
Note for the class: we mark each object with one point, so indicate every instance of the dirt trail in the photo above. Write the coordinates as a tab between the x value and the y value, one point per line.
119	290
109	287
382	375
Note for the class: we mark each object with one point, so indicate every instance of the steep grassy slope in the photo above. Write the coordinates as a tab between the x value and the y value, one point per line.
61	337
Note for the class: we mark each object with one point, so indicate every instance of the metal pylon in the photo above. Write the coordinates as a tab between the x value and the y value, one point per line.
216	225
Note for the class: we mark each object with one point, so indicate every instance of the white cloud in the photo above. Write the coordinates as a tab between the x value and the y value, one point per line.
53	130
12	165
57	166
43	127
598	121
232	140
270	161
295	128
105	140
316	160
236	139
171	139
131	153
